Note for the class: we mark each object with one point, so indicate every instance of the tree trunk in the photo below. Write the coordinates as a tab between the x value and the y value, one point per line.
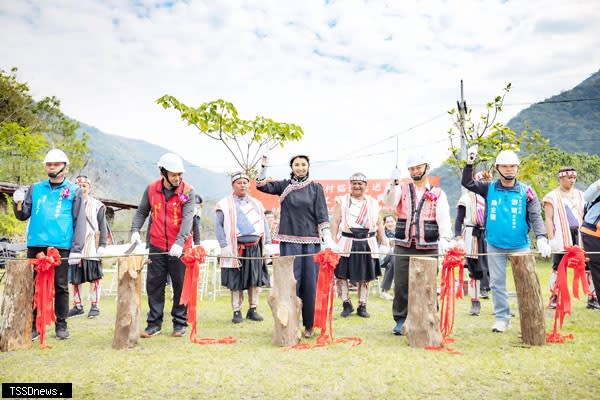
422	327
16	309
285	305
529	294
127	323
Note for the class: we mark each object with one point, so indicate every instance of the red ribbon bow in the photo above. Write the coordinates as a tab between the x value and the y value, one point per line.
43	298
192	259
454	258
574	258
327	261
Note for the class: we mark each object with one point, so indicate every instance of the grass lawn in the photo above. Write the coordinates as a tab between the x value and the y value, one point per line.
490	366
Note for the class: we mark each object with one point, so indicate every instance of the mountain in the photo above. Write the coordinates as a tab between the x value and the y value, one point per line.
121	168
573	126
571	120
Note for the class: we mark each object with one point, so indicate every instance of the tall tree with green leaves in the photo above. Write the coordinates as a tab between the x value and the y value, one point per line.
246	140
29	128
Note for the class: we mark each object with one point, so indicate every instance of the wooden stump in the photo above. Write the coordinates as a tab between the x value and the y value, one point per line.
127	323
529	294
422	327
285	305
16	309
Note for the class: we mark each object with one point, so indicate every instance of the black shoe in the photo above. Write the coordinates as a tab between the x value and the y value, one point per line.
253	315
552	304
94	311
35	335
62	333
178	331
347	309
150	331
237	317
593	304
475	307
484	294
75	312
362	311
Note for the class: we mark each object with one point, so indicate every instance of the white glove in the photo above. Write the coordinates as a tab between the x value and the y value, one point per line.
460	242
74	258
555	245
472	153
19	195
135	238
444	245
544	247
327	240
226	251
396	174
176	250
101	251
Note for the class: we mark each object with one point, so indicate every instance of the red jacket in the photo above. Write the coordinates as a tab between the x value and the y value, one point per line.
166	215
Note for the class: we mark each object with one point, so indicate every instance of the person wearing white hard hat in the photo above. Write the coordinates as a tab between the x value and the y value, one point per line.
242	230
512	208
422	227
469	230
357	227
57	220
170	200
90	267
563	211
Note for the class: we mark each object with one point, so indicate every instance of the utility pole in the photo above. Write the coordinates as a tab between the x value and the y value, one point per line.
462	111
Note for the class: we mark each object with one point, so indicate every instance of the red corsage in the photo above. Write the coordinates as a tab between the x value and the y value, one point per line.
65	193
430	196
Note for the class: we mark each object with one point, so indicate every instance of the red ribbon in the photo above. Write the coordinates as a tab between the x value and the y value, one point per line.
327	261
454	258
192	259
574	258
43	298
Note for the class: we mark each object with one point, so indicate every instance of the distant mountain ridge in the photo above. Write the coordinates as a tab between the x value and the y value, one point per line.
571	119
121	168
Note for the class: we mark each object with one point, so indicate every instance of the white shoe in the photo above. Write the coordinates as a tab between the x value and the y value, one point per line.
500	326
386	296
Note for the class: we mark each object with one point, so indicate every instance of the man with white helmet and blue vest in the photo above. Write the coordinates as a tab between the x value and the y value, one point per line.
170	200
56	213
512	208
422	228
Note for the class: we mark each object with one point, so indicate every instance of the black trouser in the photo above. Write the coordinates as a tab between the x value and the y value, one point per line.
400	304
388	275
592	244
557	258
61	286
161	266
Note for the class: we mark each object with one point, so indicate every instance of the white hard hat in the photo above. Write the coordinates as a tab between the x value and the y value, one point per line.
415	159
507	157
56	155
171	162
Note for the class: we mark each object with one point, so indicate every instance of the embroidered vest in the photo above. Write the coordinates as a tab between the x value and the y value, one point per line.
417	221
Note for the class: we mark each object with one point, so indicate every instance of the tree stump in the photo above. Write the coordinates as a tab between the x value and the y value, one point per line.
529	294
422	327
127	323
284	303
16	309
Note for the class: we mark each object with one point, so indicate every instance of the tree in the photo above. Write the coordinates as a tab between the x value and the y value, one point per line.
246	140
29	128
539	161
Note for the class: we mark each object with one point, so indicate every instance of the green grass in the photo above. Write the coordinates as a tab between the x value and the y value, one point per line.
490	366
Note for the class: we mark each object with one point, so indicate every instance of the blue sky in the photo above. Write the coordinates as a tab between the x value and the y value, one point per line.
351	73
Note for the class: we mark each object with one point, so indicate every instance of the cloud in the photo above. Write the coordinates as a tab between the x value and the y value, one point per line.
351	73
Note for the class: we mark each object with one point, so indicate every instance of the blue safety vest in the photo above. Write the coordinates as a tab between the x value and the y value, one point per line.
51	221
506	222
